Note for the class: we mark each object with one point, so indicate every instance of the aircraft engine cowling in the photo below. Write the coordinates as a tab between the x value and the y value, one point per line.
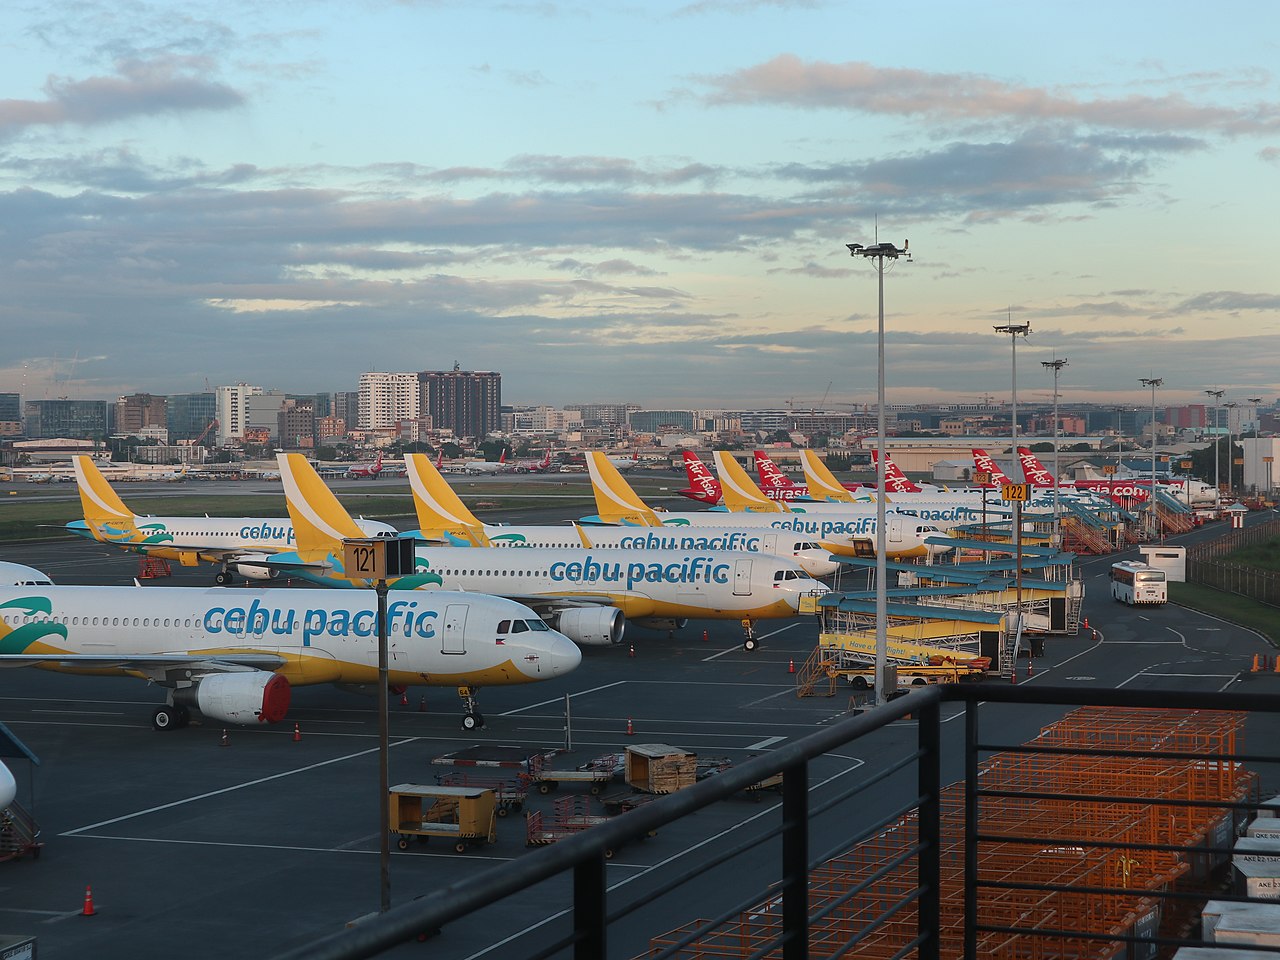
592	626
254	696
253	566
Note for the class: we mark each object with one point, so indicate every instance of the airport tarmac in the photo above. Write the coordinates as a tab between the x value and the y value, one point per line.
204	850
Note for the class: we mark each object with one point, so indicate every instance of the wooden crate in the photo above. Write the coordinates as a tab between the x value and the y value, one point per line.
660	768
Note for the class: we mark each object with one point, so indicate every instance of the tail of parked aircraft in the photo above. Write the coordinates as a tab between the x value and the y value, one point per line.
703	486
441	513
895	481
986	464
320	522
1033	469
740	492
771	477
822	483
105	515
616	502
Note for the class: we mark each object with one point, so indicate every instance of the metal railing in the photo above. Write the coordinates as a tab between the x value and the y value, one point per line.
952	845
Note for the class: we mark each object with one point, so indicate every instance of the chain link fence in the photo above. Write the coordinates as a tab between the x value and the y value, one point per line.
1206	566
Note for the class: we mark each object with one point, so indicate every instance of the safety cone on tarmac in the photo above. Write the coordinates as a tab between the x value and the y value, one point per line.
1277	666
631	731
1086	623
422	705
88	910
225	739
632	652
704	636
1254	668
404	698
791	666
297	733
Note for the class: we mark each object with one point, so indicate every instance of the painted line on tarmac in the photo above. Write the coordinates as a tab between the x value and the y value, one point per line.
768	742
232	789
738	646
547	703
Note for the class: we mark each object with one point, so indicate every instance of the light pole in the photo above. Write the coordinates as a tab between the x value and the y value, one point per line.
1217	398
1231	449
1016	330
879	253
1153	382
1057	366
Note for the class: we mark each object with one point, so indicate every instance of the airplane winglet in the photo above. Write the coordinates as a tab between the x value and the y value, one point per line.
740	492
582	535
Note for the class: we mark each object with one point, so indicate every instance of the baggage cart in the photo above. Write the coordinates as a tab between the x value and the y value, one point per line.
660	768
569	815
595	774
509	792
465	815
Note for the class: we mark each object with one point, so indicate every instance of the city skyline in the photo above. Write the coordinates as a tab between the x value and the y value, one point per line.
298	195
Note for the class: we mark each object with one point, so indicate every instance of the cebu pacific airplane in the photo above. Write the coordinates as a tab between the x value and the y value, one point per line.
852	534
236	544
587	594
233	654
442	516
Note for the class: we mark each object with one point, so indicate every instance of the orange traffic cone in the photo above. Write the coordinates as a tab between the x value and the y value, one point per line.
631	732
791	667
225	739
422	705
1086	623
404	699
88	910
297	733
1277	666
633	651
1254	668
704	636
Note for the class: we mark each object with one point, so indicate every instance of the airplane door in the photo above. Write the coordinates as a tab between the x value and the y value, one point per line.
895	531
770	543
742	578
453	638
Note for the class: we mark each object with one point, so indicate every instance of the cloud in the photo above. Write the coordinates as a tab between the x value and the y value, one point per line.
787	80
170	84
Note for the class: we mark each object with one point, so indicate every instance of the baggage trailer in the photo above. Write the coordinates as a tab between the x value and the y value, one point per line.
569	815
488	755
465	815
509	792
595	774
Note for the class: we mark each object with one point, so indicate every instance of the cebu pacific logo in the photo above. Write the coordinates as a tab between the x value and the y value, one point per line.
148	533
509	540
16	638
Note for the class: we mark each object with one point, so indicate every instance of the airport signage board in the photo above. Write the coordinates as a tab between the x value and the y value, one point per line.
1015	492
982	477
378	558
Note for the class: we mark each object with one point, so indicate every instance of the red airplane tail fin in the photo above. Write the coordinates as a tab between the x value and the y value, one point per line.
985	464
895	481
771	478
703	484
1033	469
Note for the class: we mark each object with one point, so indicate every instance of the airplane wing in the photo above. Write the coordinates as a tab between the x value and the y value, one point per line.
541	604
155	666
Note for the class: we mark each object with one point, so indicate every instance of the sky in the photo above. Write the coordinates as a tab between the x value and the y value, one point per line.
641	202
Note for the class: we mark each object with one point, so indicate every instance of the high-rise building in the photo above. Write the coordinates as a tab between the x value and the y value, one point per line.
386	399
140	414
10	415
189	416
346	407
231	410
73	419
262	415
296	425
468	402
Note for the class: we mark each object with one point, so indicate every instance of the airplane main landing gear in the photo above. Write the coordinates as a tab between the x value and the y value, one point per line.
170	717
223	578
473	719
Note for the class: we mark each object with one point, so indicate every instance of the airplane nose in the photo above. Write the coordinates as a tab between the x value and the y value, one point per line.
565	656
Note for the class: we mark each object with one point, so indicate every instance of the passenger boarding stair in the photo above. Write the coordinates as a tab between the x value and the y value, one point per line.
817	675
1173	514
19	834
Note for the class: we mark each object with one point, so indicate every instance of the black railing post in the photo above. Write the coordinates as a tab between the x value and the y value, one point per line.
795	862
970	830
929	818
589	921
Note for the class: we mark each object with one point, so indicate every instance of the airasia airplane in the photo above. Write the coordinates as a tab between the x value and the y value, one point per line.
366	471
532	466
705	488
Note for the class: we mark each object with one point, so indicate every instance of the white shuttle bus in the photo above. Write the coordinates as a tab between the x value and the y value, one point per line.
1133	582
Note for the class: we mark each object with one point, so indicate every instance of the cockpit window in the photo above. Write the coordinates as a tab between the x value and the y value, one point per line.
537	625
519	626
504	626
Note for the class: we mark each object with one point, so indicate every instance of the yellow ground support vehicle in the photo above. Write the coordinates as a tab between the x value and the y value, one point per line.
465	815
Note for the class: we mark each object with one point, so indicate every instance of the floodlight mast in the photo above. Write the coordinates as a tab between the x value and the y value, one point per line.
1153	382
880	252
1016	330
1231	446
1056	365
1217	398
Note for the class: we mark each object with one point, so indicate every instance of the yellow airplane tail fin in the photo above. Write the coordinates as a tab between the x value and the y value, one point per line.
822	483
104	512
740	492
616	502
441	512
320	522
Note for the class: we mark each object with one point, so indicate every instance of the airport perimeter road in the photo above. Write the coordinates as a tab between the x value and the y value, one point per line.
205	850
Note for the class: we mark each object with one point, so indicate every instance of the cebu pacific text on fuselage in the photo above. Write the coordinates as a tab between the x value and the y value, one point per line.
736	540
403	619
687	570
265	531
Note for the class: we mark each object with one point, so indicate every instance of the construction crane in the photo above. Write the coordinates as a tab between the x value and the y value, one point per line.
211	425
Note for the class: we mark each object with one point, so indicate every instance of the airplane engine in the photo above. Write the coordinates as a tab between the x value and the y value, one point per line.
251	697
662	623
253	566
592	626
